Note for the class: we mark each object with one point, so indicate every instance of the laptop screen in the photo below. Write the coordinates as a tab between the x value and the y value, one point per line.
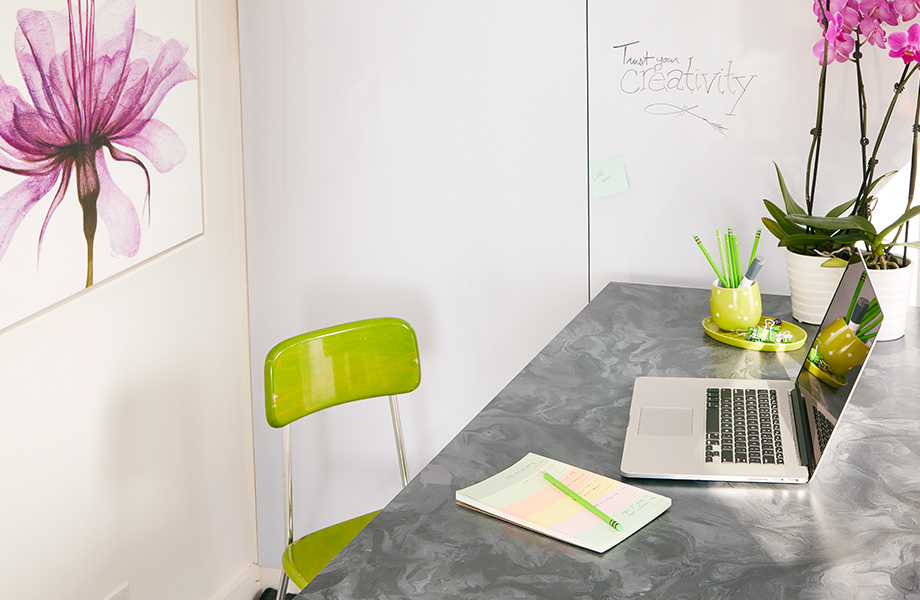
838	355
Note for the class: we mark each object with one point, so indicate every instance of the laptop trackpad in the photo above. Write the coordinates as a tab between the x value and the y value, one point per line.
660	420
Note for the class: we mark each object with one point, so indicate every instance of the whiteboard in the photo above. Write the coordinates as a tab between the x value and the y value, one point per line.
698	99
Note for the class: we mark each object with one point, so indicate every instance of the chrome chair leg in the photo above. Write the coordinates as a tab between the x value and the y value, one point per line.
400	445
288	508
282	586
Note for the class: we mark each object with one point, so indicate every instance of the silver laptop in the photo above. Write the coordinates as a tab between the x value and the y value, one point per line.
756	430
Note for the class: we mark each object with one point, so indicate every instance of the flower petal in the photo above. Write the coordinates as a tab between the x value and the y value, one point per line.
117	212
159	143
155	68
41	42
16	204
913	35
907	9
818	51
11	142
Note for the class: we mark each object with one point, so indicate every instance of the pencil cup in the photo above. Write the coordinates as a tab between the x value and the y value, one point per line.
840	348
733	309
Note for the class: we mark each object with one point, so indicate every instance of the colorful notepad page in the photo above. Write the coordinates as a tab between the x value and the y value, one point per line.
520	494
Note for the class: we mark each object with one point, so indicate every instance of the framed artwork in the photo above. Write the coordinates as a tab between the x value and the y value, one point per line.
99	143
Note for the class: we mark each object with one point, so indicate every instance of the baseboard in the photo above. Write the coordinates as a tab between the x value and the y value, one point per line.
252	582
272	577
248	586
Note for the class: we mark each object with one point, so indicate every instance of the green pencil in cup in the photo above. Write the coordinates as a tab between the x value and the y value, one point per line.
754	249
730	256
699	242
734	273
736	260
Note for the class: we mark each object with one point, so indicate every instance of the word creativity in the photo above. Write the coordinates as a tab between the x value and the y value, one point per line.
675	76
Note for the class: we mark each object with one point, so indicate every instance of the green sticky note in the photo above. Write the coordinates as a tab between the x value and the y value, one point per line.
608	176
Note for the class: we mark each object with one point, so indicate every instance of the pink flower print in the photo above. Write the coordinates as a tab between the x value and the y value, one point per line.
94	82
906	46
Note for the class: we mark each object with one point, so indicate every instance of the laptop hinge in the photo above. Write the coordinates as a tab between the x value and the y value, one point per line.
802	430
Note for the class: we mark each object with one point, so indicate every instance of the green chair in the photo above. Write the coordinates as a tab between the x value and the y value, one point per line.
321	369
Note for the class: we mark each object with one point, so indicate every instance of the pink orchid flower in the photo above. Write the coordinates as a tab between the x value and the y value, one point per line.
908	9
839	38
849	9
95	83
906	46
873	31
882	11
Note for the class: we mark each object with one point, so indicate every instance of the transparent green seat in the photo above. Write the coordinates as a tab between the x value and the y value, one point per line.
318	370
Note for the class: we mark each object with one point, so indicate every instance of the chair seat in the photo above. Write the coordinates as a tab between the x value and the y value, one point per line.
305	558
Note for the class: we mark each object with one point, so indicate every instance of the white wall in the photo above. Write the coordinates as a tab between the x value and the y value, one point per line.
125	423
413	159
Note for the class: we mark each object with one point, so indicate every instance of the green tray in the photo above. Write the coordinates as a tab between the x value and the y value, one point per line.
835	381
733	339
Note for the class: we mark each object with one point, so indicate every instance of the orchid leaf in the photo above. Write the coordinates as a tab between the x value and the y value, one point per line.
839	210
878	180
808	239
773	228
907	216
792	207
835	224
834	263
782	220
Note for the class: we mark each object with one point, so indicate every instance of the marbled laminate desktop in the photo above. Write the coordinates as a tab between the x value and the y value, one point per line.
852	532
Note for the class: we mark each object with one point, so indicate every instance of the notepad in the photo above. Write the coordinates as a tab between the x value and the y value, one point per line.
520	494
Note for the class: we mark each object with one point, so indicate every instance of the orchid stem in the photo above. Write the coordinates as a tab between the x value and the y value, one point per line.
811	177
913	178
861	207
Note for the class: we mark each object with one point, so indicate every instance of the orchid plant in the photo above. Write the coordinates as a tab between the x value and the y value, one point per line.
848	26
95	82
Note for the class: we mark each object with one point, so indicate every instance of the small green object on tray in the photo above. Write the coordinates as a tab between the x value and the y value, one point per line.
795	334
835	381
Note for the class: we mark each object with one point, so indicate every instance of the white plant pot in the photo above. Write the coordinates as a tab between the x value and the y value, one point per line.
892	286
812	286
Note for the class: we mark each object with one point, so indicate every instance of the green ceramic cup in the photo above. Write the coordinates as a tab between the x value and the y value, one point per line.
840	348
733	309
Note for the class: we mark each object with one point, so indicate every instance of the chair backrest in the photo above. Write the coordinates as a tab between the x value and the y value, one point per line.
316	370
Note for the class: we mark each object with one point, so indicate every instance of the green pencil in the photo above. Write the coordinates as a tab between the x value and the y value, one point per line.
730	253
754	249
582	501
865	332
722	258
736	260
859	286
699	242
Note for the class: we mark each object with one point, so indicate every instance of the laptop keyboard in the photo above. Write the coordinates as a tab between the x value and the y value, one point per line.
742	426
824	428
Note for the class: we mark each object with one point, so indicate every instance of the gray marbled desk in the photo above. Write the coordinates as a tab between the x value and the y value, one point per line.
853	532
